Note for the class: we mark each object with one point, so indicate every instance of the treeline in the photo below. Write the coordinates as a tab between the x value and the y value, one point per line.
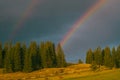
104	57
19	57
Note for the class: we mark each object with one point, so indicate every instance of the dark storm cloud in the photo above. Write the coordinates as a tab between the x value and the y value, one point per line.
48	17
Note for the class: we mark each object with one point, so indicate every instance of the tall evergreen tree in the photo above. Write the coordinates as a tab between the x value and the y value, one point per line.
98	56
61	62
23	52
89	57
102	56
33	49
1	56
17	57
42	50
27	62
50	54
114	56
118	57
108	58
8	61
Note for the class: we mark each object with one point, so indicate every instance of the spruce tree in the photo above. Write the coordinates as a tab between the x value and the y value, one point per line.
114	56
8	61
17	57
27	62
118	57
61	62
102	56
89	57
1	56
108	58
23	51
50	54
98	56
33	49
42	51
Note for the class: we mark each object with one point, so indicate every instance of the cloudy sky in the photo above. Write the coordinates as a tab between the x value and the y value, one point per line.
42	20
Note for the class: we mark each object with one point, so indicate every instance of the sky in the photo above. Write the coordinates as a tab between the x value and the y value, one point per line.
43	20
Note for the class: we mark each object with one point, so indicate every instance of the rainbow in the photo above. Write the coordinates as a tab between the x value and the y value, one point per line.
82	20
23	18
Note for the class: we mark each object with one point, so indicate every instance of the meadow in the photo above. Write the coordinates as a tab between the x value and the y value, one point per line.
74	72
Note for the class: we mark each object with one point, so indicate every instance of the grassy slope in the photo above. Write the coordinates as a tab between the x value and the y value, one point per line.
105	75
74	72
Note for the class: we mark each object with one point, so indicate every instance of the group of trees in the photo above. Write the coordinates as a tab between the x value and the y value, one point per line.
104	57
19	57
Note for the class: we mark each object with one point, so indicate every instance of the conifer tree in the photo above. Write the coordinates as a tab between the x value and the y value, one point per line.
8	61
1	56
50	54
102	56
23	51
89	57
80	61
61	62
33	49
108	58
114	56
27	62
42	50
17	57
98	56
118	57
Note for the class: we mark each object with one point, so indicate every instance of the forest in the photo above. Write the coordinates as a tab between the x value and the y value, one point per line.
27	58
104	57
20	57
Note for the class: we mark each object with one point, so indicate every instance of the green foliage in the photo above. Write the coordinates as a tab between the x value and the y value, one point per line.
94	66
61	62
21	58
89	56
8	61
27	62
80	61
17	57
1	56
106	57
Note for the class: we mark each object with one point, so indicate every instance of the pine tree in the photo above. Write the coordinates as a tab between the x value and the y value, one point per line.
33	49
1	56
114	56
23	51
50	54
8	61
118	57
98	56
102	56
108	58
89	56
61	62
17	57
42	51
27	62
80	61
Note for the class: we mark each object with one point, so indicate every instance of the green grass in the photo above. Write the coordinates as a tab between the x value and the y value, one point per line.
111	75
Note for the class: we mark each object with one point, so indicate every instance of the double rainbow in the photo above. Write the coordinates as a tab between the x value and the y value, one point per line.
23	18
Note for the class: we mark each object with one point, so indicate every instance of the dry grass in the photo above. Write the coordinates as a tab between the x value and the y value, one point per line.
51	73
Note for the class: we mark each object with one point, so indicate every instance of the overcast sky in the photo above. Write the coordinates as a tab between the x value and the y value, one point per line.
41	20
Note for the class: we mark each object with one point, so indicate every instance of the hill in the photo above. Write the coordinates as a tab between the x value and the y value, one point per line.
74	72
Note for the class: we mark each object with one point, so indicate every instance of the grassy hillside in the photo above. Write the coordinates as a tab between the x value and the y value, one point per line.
74	72
104	75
